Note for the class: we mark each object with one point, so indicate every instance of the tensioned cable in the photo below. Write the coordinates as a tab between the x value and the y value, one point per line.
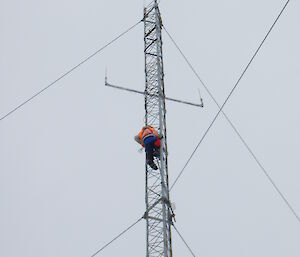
69	71
184	241
226	100
234	128
115	238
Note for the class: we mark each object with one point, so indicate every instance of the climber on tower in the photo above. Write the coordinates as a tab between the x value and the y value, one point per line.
149	138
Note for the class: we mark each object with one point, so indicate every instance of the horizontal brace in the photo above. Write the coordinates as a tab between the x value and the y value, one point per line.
154	95
152	54
153	218
148	21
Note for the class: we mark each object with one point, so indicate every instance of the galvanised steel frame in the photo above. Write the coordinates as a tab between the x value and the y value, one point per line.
158	215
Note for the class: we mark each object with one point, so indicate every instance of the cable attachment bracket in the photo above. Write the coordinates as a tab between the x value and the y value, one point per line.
172	213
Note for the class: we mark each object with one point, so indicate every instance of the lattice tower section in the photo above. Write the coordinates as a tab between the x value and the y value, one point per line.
158	216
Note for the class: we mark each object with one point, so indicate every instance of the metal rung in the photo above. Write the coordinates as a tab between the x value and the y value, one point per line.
153	218
152	54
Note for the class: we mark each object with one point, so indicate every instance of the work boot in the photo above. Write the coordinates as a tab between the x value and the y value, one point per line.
152	165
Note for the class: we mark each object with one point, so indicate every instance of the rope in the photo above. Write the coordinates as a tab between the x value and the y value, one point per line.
232	90
184	241
68	72
115	238
235	129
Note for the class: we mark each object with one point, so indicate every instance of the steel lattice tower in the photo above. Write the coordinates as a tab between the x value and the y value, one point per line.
158	215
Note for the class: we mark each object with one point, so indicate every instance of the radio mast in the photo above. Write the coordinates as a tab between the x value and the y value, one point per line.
159	214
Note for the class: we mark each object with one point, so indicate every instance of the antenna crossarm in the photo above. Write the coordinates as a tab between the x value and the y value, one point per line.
152	95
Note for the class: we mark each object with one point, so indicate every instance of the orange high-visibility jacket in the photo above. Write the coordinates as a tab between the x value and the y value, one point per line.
147	131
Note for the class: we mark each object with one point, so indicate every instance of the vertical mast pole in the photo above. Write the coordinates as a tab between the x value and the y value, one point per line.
158	216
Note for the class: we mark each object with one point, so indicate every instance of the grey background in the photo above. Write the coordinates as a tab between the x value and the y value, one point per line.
70	175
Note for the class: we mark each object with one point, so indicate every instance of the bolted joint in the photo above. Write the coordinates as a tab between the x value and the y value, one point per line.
145	215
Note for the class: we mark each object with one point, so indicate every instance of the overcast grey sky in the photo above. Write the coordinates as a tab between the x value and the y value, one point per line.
70	174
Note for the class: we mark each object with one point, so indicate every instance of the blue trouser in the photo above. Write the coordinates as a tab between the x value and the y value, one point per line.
149	147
